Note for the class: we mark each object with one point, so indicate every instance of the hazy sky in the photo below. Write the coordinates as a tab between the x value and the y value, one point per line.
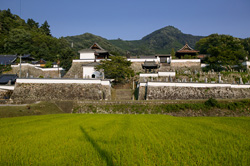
133	19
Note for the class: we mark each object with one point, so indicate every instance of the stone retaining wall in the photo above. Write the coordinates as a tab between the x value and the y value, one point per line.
137	66
185	93
59	91
177	65
5	94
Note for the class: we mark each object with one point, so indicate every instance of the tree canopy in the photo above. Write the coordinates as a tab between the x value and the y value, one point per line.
20	37
223	50
117	68
45	28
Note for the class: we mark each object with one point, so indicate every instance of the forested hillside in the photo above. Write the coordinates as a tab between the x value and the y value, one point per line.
159	42
18	36
87	39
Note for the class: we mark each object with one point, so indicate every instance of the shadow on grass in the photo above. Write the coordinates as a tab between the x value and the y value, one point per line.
104	154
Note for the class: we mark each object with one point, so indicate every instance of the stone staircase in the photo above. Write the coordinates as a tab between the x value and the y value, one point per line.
164	67
123	92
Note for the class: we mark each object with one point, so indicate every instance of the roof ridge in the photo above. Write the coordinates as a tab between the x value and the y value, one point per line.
97	46
186	46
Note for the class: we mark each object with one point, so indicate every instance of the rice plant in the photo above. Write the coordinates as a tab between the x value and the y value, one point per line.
98	139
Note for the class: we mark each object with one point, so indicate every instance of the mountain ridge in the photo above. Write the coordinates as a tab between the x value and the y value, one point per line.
160	41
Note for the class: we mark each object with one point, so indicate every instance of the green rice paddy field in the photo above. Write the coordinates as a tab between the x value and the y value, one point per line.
97	139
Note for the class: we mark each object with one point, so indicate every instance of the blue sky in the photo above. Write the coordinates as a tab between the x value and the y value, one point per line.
133	19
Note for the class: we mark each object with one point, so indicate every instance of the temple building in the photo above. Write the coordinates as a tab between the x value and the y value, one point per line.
94	52
186	50
150	66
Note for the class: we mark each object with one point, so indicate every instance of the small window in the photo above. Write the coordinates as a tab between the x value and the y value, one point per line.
93	76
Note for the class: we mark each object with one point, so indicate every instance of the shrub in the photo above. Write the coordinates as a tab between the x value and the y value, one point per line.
211	102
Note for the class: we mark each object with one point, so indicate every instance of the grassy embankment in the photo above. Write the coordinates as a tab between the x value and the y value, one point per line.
85	139
209	107
41	108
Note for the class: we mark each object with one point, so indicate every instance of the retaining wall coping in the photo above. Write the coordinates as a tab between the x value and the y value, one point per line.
43	69
7	87
63	81
190	84
142	60
88	60
159	74
185	60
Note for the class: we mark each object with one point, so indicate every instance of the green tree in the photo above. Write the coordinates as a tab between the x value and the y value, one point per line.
45	28
65	58
173	53
246	44
224	50
20	37
18	42
32	24
117	68
48	64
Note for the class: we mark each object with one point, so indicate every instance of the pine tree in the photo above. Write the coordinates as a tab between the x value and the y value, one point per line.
45	28
32	23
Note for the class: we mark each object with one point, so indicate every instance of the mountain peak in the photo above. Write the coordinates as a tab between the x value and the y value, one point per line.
166	31
160	41
170	28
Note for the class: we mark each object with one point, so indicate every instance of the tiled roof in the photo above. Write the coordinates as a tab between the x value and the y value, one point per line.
4	79
142	57
28	57
94	48
150	64
92	64
41	61
97	46
163	55
86	50
7	59
186	49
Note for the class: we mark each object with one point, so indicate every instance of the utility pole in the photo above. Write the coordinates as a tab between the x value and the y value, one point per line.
58	62
20	72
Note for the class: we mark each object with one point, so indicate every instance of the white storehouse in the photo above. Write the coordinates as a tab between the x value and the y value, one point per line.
90	72
90	58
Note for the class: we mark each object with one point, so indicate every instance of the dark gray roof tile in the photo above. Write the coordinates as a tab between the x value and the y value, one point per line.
7	59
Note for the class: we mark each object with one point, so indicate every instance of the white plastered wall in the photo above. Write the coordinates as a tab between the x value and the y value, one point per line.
89	55
88	71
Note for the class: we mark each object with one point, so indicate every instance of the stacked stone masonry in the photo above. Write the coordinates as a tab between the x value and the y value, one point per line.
76	70
186	93
45	92
5	94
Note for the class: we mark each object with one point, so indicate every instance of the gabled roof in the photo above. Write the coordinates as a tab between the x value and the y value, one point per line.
150	64
41	61
28	57
7	59
186	49
162	55
94	48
